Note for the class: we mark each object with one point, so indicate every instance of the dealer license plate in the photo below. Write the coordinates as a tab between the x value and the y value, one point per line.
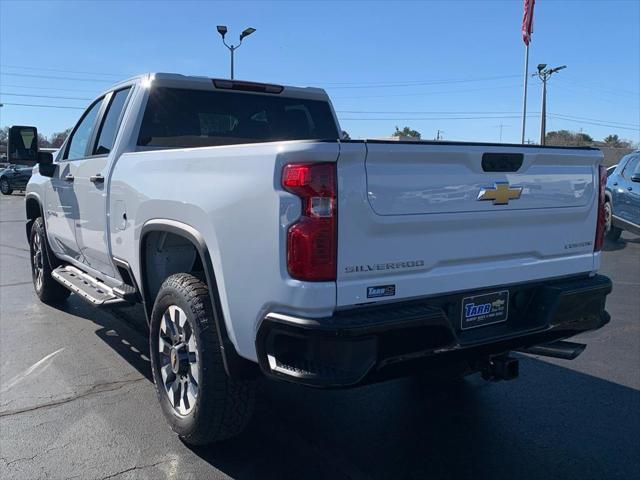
485	309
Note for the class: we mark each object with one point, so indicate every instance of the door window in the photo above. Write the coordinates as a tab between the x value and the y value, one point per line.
111	123
77	147
630	167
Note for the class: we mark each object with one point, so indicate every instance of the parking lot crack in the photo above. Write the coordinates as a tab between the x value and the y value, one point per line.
133	469
92	390
16	460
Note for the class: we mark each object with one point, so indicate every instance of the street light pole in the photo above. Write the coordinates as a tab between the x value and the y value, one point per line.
222	30
544	74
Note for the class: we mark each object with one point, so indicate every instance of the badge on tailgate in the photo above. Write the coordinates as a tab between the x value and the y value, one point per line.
485	309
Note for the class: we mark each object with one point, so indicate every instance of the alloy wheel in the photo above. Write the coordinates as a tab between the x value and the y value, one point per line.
36	258
179	360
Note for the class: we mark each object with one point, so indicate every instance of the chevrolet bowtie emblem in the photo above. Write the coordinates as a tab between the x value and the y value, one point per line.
501	193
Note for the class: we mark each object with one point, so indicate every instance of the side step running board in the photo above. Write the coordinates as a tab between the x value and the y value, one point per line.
560	349
88	287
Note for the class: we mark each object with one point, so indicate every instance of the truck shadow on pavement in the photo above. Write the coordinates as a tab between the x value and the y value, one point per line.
553	422
620	244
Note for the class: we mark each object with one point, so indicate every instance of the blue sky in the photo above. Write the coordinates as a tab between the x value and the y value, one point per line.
450	65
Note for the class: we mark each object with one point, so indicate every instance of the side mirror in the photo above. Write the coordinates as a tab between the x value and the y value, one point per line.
45	164
635	178
22	145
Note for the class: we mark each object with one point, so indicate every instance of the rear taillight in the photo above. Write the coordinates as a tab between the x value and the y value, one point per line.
600	227
311	240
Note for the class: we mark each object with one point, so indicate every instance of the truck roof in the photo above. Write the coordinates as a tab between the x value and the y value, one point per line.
201	82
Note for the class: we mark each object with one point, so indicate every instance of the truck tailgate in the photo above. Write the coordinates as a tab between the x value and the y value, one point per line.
426	219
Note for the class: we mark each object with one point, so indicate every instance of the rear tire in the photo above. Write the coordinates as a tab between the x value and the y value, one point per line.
5	187
200	402
612	233
47	289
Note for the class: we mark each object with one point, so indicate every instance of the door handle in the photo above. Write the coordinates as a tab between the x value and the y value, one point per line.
97	178
69	178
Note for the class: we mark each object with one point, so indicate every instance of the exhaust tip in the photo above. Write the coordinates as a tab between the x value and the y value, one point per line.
559	349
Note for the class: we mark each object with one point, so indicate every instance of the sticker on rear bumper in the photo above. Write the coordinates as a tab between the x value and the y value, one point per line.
485	309
381	291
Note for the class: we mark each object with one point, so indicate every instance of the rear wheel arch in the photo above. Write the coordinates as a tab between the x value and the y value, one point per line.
33	210
160	233
607	196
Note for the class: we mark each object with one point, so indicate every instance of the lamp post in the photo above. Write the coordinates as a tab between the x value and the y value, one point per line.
544	73
222	30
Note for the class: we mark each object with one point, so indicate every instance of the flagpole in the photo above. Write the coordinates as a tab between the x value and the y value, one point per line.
524	95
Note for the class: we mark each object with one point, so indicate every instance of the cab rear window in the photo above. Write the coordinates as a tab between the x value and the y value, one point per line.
182	118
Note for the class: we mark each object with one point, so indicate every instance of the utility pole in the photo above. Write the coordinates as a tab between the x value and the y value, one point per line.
544	74
222	30
501	126
438	136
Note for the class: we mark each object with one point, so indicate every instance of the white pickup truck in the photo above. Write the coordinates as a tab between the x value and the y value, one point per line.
259	242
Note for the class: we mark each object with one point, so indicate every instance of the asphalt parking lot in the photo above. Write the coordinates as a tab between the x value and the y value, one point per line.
77	401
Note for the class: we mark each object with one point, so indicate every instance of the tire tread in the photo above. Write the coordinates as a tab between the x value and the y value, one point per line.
229	407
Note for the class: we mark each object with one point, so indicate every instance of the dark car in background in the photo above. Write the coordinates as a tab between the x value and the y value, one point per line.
622	203
14	177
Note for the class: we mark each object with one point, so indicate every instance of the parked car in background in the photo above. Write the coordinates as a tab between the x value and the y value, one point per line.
14	177
622	197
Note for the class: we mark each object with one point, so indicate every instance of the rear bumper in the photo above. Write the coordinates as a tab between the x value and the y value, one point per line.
377	342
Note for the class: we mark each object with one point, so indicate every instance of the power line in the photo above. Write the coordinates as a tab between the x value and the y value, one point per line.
52	77
50	88
596	123
41	106
416	112
421	94
418	83
614	91
573	117
63	71
413	82
42	96
597	98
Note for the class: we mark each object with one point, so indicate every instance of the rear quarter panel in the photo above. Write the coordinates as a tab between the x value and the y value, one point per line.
232	196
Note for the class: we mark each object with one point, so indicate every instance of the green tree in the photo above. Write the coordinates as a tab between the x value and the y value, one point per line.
407	132
4	135
616	142
567	138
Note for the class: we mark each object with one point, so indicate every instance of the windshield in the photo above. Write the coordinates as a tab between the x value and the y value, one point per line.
195	118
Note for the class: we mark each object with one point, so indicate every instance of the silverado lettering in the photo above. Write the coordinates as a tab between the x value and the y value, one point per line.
383	266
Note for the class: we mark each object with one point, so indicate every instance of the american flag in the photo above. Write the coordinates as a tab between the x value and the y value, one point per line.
527	21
